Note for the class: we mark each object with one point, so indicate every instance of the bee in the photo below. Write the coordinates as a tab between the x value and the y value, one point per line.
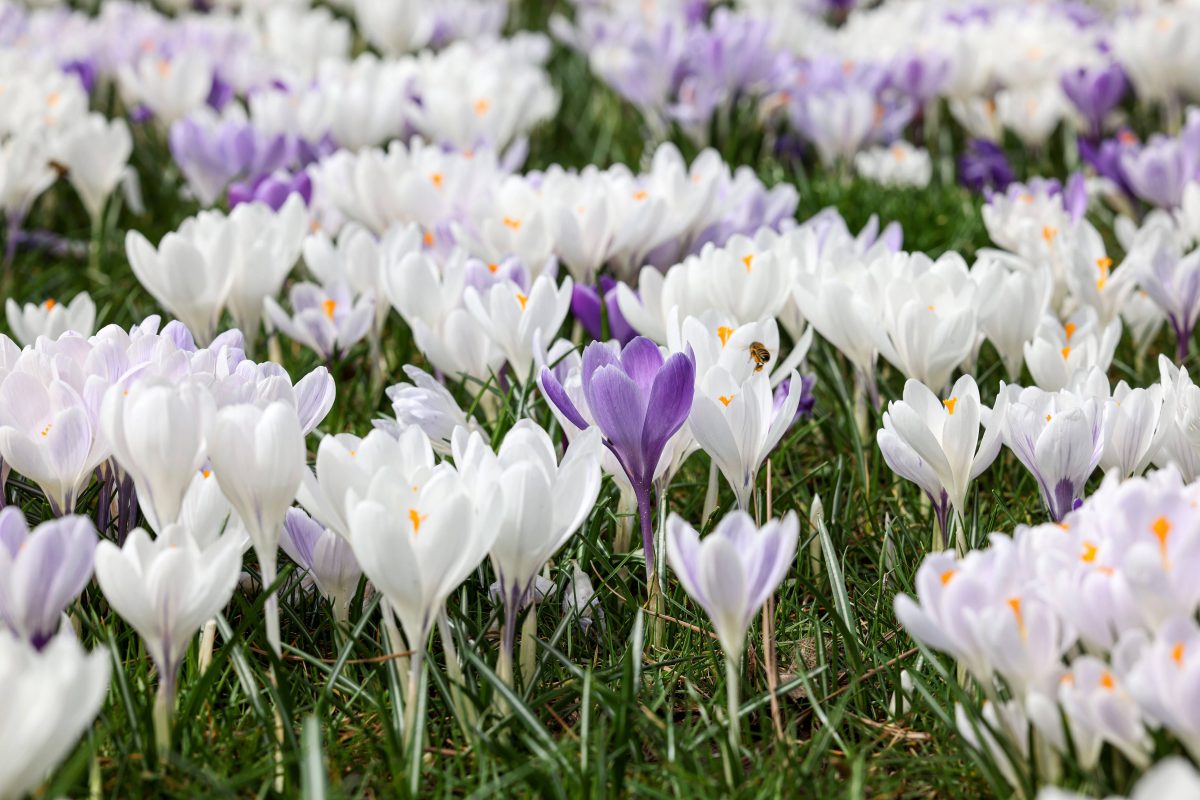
760	355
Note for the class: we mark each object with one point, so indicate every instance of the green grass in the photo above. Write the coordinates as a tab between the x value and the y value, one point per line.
605	713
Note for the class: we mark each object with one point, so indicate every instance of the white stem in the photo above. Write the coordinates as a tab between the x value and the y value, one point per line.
208	639
732	689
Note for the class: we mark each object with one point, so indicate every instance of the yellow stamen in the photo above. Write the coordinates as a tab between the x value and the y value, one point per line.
436	180
899	153
725	401
949	403
1177	653
481	106
1089	552
1066	352
46	430
1106	681
1047	418
1069	329
948	576
510	222
640	194
747	260
1015	604
1161	530
522	299
50	303
416	519
53	99
329	306
492	267
428	239
164	67
1048	233
724	332
1104	263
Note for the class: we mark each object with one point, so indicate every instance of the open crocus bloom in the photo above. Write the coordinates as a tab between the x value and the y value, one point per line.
733	571
638	400
327	320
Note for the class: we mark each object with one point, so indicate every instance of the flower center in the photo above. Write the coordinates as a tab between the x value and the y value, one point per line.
481	106
416	519
1161	530
724	332
436	180
1048	233
50	303
46	429
512	223
726	399
329	306
949	403
948	576
522	299
747	260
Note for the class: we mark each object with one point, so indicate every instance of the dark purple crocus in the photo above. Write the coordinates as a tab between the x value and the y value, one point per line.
273	189
984	166
1095	91
638	401
807	401
41	573
85	70
586	306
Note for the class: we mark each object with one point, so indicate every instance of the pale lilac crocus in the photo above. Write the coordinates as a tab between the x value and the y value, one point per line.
212	154
638	400
41	573
1159	171
1172	281
328	320
730	574
326	556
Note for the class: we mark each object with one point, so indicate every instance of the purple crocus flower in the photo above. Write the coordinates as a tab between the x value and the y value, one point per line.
638	401
220	94
1159	171
211	155
273	189
1095	92
85	70
984	165
586	306
41	573
1105	157
920	75
807	400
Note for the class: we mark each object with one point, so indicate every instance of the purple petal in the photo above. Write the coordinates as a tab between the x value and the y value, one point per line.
641	359
620	412
669	405
558	396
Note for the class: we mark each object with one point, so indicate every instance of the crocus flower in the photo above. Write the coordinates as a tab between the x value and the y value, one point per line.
326	556
1095	91
1130	429
512	317
51	318
596	307
212	153
730	574
1012	303
544	503
258	459
738	424
426	404
1172	281
272	190
983	165
1159	171
95	151
638	400
1057	436
42	572
1061	351
166	588
49	699
328	320
157	430
936	443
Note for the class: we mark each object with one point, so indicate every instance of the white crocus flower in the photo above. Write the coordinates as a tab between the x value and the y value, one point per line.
426	404
1057	436
49	697
346	464
543	504
170	87
936	443
95	151
258	458
1130	432
267	245
1178	440
1060	351
738	424
167	588
513	317
1013	299
928	326
158	432
51	318
418	541
844	307
189	273
901	164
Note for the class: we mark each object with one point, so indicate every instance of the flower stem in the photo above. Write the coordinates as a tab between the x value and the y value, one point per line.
164	699
732	689
645	507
